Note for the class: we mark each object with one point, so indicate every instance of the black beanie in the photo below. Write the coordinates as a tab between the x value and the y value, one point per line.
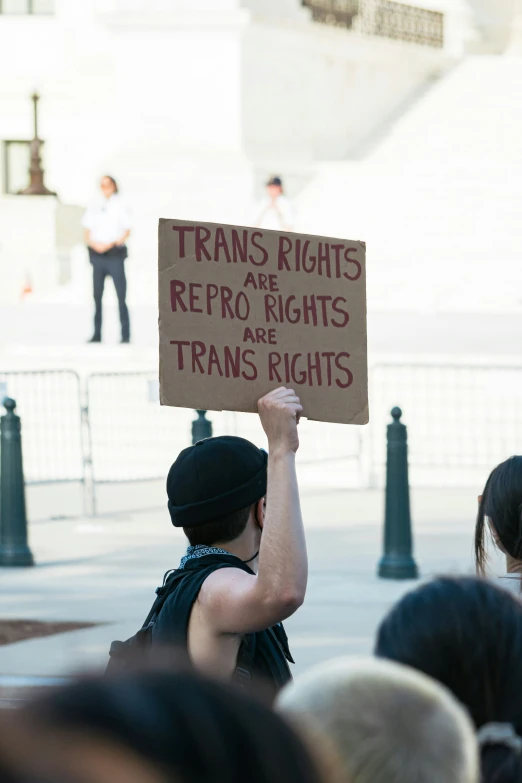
214	478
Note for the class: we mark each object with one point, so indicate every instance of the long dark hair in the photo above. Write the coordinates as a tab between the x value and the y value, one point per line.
467	634
190	728
502	503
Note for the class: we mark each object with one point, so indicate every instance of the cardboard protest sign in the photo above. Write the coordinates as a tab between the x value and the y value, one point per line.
243	311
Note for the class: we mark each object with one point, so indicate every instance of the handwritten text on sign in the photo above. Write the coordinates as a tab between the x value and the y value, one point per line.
243	311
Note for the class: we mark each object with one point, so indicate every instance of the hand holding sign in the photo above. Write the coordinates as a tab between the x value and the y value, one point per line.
244	311
279	412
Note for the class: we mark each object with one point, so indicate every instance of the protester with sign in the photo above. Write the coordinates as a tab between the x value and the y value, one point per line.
246	567
275	211
107	227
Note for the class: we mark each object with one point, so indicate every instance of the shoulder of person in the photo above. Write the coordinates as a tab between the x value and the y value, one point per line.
216	584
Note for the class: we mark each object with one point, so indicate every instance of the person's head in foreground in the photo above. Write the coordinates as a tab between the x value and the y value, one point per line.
500	511
467	634
159	728
374	721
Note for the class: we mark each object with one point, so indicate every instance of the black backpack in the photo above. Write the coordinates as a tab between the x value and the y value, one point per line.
124	655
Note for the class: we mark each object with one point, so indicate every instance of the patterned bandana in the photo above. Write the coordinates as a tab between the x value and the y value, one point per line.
200	550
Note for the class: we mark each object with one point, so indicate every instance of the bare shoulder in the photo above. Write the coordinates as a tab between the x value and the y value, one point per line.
233	601
223	584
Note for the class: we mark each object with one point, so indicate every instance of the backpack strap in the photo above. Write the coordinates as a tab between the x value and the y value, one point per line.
170	580
121	653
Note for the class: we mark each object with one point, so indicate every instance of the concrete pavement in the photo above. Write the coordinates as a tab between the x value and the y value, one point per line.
105	570
29	330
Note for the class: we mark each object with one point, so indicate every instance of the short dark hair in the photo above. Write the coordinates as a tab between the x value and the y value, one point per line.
221	530
502	503
467	634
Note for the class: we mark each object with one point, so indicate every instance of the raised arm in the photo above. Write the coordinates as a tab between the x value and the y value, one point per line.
237	602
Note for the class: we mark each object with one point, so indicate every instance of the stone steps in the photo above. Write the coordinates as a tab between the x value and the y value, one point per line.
439	201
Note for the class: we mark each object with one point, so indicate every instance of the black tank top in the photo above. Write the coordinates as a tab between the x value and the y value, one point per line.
268	666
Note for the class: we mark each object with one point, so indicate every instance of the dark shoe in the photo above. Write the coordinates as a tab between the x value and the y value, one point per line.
94	339
125	340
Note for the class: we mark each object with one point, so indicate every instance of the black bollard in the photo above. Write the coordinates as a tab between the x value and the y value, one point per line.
201	427
14	550
397	561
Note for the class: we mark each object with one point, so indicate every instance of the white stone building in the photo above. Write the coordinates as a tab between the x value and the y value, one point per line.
190	104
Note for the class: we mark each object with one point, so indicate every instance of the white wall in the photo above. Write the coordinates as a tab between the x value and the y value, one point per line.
106	91
493	20
123	79
280	9
27	245
190	102
311	92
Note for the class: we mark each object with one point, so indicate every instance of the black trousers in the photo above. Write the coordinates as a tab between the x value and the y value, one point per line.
111	263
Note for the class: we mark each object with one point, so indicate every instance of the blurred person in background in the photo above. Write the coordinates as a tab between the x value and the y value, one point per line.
500	514
246	566
155	727
371	721
467	634
275	211
107	226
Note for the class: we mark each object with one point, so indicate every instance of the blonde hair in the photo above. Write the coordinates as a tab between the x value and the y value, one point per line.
374	721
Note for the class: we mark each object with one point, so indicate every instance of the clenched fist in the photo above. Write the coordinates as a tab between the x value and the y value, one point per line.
279	411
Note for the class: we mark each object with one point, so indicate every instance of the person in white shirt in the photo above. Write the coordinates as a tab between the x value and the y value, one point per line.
275	211
107	226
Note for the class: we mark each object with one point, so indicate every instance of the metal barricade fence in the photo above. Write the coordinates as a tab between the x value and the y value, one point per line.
49	404
462	419
329	454
133	438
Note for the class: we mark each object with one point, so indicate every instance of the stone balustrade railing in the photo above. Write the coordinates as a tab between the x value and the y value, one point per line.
384	18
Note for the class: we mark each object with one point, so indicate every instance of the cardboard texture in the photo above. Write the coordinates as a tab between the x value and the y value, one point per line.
243	311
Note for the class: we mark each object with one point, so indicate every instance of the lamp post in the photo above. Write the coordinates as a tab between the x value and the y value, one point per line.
36	172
